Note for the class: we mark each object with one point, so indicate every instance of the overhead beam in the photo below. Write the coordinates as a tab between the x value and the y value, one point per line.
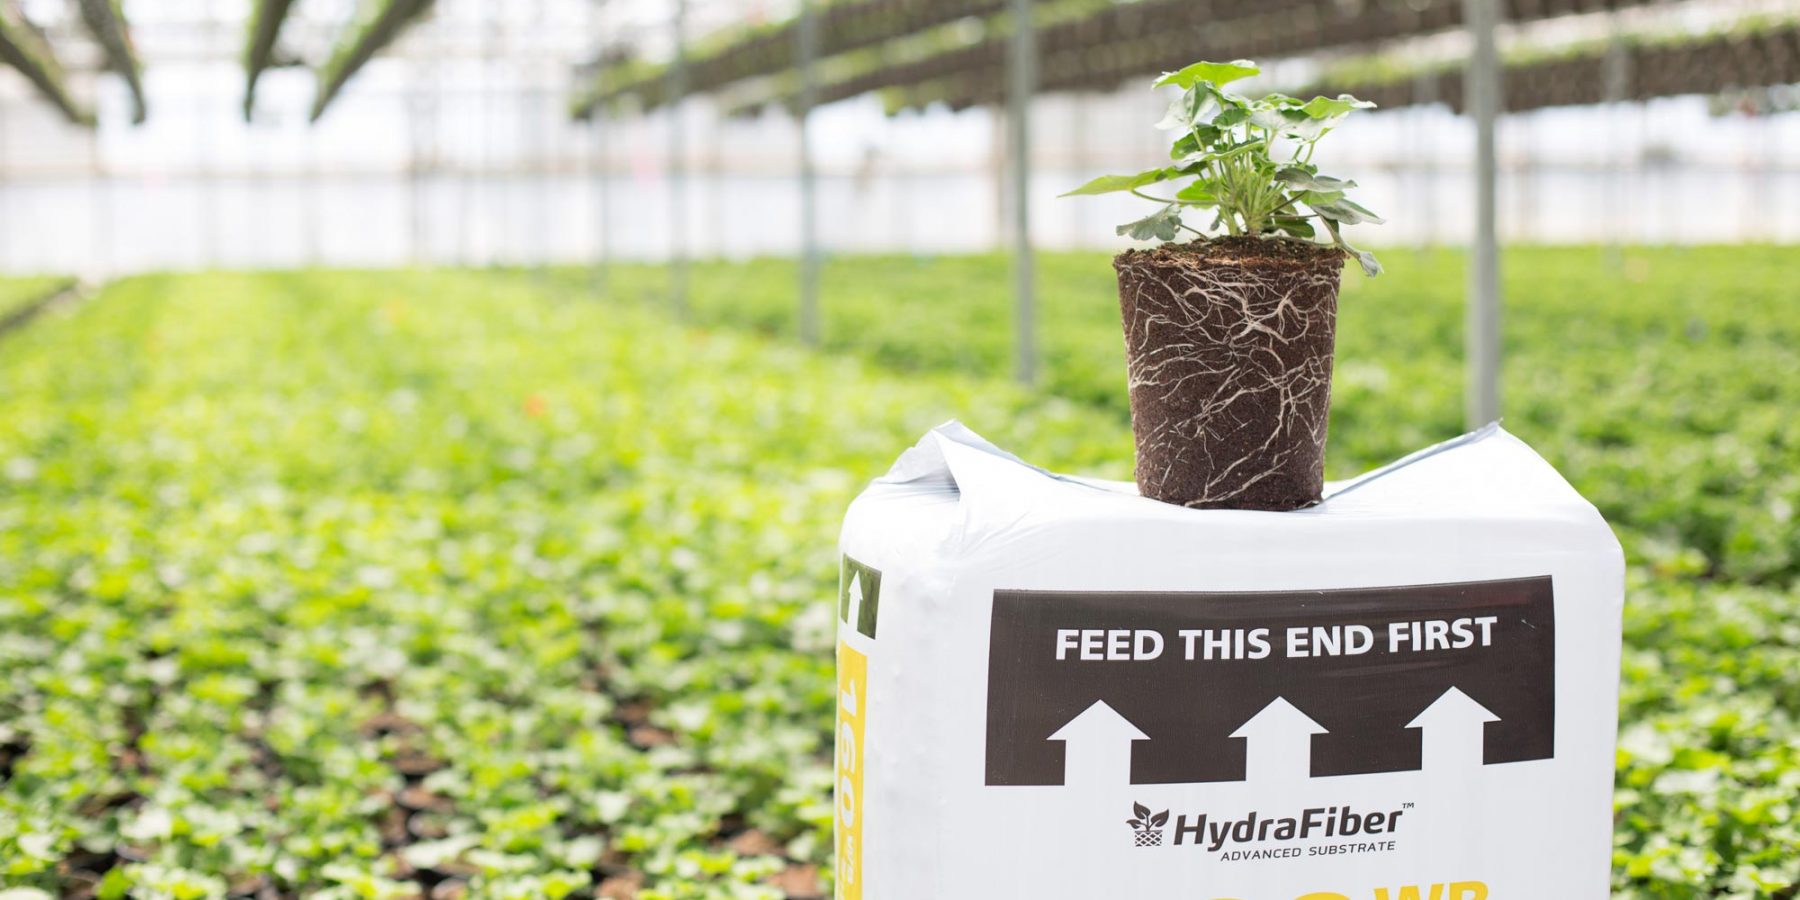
366	36
1109	48
842	27
1759	56
266	18
105	20
24	49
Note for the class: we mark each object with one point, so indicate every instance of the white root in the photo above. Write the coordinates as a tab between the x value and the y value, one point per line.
1206	390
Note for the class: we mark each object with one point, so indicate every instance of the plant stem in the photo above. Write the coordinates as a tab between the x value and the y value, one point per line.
1139	193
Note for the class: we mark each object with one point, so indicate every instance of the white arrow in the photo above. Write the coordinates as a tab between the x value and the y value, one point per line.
854	612
1278	743
1453	730
1097	747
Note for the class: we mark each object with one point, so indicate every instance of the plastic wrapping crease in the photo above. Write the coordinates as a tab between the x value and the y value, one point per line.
997	490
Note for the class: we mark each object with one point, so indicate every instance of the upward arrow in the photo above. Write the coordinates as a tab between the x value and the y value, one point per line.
1453	731
1278	743
1097	747
853	601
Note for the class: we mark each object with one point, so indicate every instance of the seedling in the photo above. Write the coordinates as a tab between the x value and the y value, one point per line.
1144	820
1248	161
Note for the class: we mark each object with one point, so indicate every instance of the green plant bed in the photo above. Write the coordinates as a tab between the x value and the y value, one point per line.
286	558
1662	387
349	584
18	293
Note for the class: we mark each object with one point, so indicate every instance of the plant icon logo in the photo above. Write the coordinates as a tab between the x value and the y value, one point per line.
1146	826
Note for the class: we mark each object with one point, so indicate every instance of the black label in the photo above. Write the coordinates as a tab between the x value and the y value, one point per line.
1365	672
859	596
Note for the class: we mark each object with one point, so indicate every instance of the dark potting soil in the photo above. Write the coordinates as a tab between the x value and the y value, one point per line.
1240	249
1228	347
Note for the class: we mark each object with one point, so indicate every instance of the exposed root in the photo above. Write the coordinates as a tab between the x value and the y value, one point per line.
1230	374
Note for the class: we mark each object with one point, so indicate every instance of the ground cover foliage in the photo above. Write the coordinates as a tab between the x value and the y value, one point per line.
379	585
1660	381
366	585
1660	386
18	292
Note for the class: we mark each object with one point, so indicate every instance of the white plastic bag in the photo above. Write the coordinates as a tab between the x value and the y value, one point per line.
1053	688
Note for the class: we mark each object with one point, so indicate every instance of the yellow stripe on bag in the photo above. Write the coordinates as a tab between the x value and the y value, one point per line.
853	712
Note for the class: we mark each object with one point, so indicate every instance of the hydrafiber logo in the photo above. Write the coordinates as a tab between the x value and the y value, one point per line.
1147	826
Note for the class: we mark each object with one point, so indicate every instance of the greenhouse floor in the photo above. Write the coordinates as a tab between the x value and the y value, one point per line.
511	584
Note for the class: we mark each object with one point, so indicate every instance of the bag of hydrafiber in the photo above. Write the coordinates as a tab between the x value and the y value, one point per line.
1050	687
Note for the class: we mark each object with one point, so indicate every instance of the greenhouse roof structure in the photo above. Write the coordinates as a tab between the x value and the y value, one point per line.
1750	53
105	19
917	53
955	52
1621	71
47	49
23	47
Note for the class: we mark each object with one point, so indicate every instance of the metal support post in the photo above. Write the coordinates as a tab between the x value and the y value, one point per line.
1021	85
1482	334
808	41
678	263
1615	73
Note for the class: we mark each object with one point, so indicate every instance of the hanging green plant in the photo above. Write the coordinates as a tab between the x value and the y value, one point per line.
1248	162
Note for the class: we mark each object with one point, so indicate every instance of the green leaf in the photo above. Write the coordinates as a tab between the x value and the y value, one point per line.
1225	142
1315	198
1236	115
1359	209
1178	115
1202	193
1276	119
1194	164
1298	226
1301	179
1161	225
1334	107
1111	184
1195	106
1241	149
115	886
1346	211
1217	74
1370	266
1308	122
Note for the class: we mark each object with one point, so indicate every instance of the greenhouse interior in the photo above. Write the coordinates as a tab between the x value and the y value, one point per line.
428	427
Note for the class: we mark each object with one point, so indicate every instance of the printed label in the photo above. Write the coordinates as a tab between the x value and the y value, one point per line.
1148	688
859	596
852	715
